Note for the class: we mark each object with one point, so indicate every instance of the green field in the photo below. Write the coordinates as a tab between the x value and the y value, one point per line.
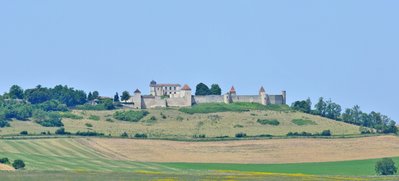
58	157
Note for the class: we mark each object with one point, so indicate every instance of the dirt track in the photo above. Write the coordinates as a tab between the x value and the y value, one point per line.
251	151
6	167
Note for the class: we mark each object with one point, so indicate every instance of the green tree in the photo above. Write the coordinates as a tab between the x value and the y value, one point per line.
96	95
16	92
215	90
333	110
303	106
202	90
116	97
125	96
18	164
90	96
320	107
386	166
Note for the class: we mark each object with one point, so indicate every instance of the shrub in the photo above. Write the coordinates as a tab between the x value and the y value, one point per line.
109	120
241	135
71	116
179	118
133	116
4	123
199	136
89	133
61	131
23	133
94	117
153	118
299	134
265	135
386	166
48	119
52	105
364	130
124	135
89	125
238	126
302	122
326	133
272	122
18	164
140	135
4	161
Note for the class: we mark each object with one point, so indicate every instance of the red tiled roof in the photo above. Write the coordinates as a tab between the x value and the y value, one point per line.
232	90
186	87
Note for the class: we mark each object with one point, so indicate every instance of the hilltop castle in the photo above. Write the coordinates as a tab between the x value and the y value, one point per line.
173	95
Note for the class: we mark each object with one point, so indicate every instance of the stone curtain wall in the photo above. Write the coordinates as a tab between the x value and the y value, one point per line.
246	98
151	102
276	99
208	99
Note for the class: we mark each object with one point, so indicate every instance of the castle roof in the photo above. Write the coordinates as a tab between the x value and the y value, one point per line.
153	82
165	85
232	90
137	91
262	89
186	87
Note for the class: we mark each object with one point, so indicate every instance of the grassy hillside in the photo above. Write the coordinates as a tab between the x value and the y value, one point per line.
211	120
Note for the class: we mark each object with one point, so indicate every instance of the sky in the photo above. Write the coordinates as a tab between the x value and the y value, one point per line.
344	50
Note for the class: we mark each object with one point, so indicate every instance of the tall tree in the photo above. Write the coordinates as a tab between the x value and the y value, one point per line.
95	95
16	92
320	107
125	96
90	96
215	90
202	89
116	97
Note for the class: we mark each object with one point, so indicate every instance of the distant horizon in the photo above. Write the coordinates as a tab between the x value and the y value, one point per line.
346	51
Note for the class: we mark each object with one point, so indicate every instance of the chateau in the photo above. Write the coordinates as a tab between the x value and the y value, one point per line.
173	95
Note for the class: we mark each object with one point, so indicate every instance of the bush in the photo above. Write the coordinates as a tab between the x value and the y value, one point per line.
179	118
52	105
61	131
71	116
302	122
238	126
18	164
89	133
89	125
4	161
199	136
272	122
48	119
241	135
326	133
299	134
124	135
4	124
140	135
109	120
133	116
386	167
94	117
23	133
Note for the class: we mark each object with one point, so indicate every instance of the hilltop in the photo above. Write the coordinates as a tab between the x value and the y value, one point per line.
203	120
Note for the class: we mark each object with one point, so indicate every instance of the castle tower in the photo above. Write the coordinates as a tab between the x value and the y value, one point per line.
185	93
232	91
263	96
284	94
137	104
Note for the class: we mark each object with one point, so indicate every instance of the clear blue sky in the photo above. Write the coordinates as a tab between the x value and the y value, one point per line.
345	50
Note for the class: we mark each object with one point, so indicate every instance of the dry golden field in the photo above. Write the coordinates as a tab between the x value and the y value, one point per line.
176	124
247	151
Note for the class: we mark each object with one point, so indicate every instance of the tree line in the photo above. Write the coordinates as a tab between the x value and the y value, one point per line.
329	109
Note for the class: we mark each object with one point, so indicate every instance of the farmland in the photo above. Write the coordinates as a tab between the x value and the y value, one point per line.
88	159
